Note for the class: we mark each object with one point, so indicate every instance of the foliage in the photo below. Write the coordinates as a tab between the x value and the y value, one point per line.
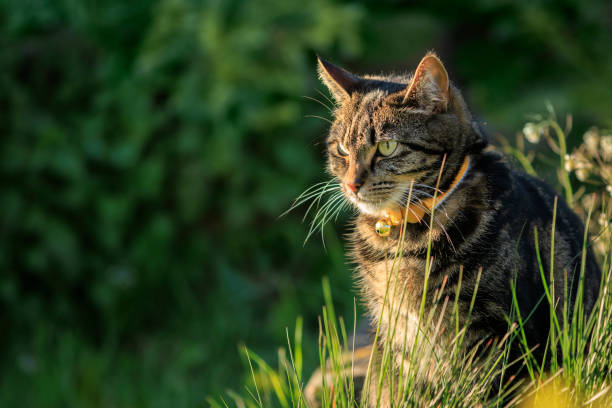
147	155
148	148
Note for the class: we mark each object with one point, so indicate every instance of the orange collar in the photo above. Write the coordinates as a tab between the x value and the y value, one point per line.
416	212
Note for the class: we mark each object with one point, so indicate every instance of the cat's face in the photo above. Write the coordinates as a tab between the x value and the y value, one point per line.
390	132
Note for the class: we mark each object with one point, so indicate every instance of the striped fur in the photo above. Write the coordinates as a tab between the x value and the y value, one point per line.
486	224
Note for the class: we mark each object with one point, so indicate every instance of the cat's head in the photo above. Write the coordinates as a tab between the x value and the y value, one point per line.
390	131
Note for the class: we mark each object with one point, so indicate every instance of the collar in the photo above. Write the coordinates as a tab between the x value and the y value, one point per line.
415	213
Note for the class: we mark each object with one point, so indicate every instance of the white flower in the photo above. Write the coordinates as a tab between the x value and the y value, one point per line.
606	148
531	132
582	174
568	163
591	140
603	219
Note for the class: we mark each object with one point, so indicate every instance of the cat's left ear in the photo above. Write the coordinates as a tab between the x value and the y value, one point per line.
340	82
429	88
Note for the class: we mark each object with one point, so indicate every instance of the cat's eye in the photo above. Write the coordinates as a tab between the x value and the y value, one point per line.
341	149
387	147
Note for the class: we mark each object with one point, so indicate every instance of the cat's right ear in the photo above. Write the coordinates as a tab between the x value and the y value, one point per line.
340	82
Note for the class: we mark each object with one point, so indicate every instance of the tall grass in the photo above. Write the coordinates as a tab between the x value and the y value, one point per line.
435	369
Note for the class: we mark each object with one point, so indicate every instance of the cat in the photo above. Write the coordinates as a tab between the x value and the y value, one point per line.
400	137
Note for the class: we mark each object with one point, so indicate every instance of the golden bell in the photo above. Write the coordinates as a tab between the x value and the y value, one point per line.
383	228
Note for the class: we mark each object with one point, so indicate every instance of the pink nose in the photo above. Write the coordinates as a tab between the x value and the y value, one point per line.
354	187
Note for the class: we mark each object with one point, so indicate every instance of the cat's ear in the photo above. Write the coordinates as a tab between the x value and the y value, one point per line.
429	88
340	82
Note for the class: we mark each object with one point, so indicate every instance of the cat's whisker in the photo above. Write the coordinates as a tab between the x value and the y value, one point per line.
334	195
417	202
330	212
341	207
331	209
317	201
430	187
319	117
318	101
451	220
415	192
440	207
318	217
323	214
333	212
448	238
439	223
310	193
322	190
327	98
314	187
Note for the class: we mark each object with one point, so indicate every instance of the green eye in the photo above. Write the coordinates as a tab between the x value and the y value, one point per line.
341	150
387	147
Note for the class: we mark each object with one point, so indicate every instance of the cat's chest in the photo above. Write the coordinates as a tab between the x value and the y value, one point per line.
391	282
396	282
392	292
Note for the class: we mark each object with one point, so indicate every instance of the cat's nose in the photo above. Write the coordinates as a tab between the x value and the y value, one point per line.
354	186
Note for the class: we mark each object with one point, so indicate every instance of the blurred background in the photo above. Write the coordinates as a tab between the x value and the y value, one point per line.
147	149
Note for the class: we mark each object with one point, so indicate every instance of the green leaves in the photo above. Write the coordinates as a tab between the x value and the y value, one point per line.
148	148
146	155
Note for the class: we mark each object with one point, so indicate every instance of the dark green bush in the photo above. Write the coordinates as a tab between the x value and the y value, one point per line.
147	154
148	148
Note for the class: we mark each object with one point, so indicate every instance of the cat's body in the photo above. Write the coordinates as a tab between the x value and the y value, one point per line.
493	212
390	132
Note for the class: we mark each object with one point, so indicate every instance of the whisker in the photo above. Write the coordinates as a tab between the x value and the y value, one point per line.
323	189
319	117
419	192
312	191
440	206
437	221
316	201
430	187
452	221
316	221
322	215
416	192
329	214
315	189
327	98
340	209
318	101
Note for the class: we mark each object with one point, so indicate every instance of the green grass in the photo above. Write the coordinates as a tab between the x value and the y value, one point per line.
579	347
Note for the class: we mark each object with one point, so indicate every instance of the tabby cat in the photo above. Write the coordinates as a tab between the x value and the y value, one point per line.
402	146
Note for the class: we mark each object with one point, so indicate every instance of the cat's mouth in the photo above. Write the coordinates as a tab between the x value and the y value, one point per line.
376	204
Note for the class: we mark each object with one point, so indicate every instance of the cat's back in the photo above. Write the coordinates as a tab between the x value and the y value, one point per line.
529	209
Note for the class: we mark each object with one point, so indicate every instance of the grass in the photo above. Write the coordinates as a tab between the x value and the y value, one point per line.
580	347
